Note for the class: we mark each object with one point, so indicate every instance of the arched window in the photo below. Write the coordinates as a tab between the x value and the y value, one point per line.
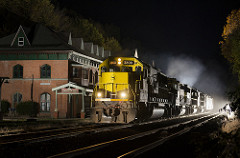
45	71
18	71
45	102
17	98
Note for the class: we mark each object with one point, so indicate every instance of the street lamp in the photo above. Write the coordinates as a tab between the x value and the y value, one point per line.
1	82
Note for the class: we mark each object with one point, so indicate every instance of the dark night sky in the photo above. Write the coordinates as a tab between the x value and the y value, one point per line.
179	30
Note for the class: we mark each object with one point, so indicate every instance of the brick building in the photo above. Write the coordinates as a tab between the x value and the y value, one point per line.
51	68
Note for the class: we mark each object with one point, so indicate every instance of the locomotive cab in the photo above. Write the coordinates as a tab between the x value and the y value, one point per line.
114	98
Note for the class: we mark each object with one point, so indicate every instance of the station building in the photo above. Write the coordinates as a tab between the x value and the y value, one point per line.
51	68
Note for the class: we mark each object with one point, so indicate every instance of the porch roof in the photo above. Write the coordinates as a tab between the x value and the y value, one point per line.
69	85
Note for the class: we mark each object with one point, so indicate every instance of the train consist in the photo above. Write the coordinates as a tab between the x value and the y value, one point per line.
130	89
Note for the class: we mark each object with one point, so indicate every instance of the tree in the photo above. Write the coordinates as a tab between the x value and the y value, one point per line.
112	44
230	45
234	97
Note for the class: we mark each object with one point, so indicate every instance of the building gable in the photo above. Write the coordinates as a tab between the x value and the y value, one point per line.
20	39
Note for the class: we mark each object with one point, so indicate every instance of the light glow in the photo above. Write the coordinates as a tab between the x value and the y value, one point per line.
99	94
123	95
119	61
209	105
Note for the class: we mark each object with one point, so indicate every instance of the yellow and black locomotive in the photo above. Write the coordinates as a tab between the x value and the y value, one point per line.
130	89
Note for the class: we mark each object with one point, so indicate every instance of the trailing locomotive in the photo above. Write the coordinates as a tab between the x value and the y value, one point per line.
130	89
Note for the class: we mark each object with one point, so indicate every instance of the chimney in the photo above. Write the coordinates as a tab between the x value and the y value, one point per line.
82	44
136	53
153	63
70	39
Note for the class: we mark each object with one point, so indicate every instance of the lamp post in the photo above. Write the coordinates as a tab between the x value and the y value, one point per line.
1	82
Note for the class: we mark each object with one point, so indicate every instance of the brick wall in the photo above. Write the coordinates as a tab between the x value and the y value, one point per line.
59	76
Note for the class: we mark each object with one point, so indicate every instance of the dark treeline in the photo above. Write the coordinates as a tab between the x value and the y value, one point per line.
26	12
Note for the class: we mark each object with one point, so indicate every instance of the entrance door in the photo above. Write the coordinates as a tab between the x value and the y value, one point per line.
87	102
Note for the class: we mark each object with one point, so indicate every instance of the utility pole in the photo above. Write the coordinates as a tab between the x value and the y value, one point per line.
1	82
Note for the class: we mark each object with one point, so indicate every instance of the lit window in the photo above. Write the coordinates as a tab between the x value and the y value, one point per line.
45	102
20	41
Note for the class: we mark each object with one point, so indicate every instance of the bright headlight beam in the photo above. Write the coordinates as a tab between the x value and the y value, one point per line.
99	94
123	94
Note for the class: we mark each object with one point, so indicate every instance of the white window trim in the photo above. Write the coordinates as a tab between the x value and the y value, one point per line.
20	39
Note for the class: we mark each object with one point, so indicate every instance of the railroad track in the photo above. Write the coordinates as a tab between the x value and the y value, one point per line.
46	135
136	144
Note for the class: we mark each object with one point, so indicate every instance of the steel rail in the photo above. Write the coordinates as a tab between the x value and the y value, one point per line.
67	133
64	134
159	142
93	147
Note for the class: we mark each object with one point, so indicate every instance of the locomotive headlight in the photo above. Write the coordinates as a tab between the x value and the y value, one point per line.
99	94
119	61
123	95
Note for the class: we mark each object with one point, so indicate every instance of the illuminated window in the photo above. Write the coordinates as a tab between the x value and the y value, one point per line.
45	102
20	41
18	71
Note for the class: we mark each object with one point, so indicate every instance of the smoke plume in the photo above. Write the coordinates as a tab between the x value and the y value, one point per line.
185	69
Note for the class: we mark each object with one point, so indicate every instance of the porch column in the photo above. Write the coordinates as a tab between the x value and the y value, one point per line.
56	112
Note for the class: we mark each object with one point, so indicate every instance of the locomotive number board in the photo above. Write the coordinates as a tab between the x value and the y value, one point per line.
113	62
128	62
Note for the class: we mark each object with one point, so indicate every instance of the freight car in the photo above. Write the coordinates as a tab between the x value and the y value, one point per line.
130	89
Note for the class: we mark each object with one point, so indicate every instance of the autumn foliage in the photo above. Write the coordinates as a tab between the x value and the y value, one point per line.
231	40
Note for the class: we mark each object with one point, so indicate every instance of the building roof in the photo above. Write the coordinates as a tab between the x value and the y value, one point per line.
41	38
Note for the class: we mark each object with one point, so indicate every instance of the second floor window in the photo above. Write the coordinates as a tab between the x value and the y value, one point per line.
45	71
18	71
85	73
75	72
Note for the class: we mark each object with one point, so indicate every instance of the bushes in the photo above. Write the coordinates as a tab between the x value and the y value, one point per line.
5	105
28	108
